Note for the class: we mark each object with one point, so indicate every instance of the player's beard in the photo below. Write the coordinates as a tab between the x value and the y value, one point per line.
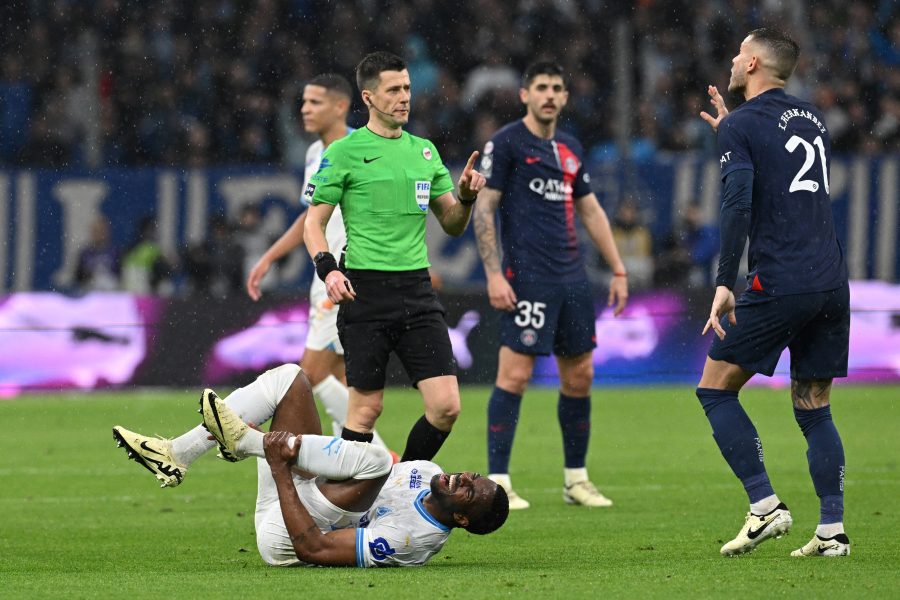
737	85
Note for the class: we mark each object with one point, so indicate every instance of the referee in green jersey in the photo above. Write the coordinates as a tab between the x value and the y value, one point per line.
386	182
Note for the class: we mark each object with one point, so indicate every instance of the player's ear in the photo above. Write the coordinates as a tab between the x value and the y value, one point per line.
523	95
461	520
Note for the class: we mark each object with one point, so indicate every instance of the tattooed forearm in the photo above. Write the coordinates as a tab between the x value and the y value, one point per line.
808	394
486	235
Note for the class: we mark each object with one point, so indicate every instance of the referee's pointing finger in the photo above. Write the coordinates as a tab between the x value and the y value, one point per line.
471	164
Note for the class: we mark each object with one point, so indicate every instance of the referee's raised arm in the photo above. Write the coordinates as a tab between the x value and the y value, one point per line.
453	213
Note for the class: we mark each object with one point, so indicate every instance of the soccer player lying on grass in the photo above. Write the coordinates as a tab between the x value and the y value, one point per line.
323	500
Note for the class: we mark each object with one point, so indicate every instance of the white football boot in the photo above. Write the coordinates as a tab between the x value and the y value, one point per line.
154	454
516	502
838	545
759	528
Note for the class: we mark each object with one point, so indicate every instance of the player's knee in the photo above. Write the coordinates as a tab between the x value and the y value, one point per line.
279	380
376	461
514	380
577	383
315	370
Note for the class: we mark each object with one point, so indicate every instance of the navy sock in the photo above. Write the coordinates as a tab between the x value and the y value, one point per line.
424	441
355	436
575	421
503	416
826	461
737	439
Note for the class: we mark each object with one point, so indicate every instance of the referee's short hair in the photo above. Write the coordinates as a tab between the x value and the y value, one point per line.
371	66
542	67
334	83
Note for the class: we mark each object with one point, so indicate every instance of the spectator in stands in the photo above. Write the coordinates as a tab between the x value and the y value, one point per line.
145	269
98	263
634	243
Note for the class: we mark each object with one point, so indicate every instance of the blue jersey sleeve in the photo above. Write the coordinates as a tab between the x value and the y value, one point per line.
497	162
734	145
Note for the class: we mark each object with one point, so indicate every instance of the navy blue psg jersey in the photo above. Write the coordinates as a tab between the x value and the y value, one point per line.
539	179
784	141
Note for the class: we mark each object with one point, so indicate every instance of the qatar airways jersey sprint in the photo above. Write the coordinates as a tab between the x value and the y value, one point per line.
540	181
398	531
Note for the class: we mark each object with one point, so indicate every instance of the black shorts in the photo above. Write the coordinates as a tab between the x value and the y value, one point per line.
393	312
815	327
557	318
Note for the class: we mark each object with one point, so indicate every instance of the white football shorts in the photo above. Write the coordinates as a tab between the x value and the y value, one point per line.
322	333
272	538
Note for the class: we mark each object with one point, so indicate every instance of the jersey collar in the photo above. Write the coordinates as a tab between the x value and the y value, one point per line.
425	514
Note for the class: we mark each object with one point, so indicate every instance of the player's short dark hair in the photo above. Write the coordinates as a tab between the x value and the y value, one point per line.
493	517
334	83
542	67
784	50
372	65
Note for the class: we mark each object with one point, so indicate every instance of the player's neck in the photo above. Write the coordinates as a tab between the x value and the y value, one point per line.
335	132
379	127
754	90
544	131
435	510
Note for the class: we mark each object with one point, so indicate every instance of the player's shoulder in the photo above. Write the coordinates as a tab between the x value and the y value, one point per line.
569	139
510	132
418	141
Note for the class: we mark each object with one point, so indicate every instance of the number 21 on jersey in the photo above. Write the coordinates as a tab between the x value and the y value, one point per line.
808	185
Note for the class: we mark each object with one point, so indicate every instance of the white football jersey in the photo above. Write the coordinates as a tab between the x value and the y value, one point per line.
398	531
334	231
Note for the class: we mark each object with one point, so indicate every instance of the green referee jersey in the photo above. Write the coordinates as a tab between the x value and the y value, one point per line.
384	186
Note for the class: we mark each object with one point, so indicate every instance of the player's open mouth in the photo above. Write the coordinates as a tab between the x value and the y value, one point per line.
451	482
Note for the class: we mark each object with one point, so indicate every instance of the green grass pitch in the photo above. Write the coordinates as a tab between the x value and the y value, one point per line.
79	520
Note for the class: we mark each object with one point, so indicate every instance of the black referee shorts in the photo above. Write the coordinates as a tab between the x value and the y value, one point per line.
393	312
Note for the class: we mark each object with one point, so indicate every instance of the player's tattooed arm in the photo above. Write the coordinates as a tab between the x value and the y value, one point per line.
809	394
485	230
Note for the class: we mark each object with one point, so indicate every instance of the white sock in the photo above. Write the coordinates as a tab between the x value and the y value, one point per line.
331	457
764	506
829	530
335	398
501	479
573	476
254	403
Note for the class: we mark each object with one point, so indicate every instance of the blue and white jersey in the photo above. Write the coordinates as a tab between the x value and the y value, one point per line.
398	531
784	141
540	180
335	233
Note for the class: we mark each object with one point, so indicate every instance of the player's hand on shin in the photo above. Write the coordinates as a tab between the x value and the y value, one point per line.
618	294
723	304
278	452
500	292
257	273
715	98
471	181
339	288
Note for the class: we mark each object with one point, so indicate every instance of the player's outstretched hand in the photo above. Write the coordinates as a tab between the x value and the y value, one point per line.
257	273
471	181
618	294
715	98
278	452
339	288
500	292
723	304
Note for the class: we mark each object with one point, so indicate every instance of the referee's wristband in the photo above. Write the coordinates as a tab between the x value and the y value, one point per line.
468	202
325	264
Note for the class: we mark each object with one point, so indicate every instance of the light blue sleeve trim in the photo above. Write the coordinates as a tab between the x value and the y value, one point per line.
425	514
360	545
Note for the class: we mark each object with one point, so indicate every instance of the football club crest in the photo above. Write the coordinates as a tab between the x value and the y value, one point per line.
571	165
489	147
426	152
528	337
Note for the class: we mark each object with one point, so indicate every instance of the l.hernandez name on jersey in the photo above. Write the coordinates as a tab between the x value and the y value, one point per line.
540	180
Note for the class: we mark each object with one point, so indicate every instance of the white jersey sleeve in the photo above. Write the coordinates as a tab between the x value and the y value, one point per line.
398	531
334	231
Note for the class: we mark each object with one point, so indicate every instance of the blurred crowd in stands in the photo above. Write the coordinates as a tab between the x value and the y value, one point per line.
217	82
123	82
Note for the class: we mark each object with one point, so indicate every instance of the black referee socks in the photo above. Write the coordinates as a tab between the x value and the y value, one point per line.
424	441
